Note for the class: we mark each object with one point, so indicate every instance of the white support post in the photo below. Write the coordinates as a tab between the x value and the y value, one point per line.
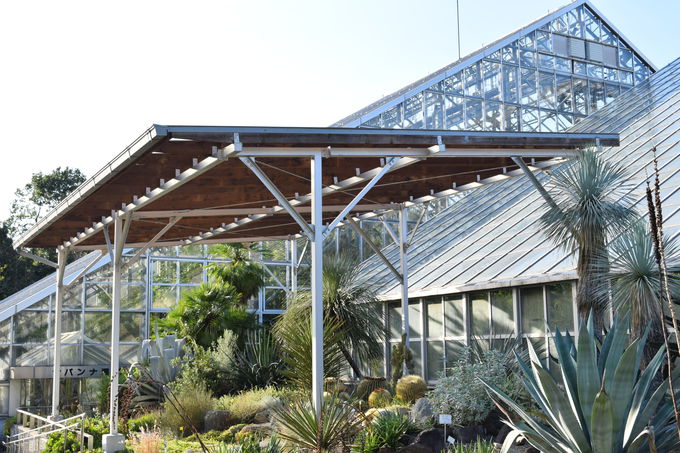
56	366
317	285
114	441
403	261
293	265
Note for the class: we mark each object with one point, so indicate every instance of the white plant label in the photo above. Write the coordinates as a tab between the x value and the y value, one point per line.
451	440
444	419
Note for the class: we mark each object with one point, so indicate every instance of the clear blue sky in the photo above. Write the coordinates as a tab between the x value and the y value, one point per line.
81	79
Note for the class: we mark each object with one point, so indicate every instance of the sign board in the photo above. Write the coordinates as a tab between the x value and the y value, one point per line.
82	371
444	419
451	440
65	372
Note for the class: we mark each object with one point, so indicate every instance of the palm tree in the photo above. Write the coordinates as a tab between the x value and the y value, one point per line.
634	279
592	202
351	304
244	274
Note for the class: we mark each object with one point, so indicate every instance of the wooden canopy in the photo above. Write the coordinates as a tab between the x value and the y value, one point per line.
184	184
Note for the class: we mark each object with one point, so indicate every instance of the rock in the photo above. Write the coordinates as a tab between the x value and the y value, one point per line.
218	420
415	448
262	417
467	434
422	410
386	450
493	424
261	429
502	434
433	439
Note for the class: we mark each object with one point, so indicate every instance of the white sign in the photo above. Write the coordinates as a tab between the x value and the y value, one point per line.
451	440
444	419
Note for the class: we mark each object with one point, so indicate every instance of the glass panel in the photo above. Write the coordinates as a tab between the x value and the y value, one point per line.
492	80
473	82
394	315
479	308
164	296
546	86
509	54
132	327
607	36
546	62
611	92
391	118
580	68
473	115
5	331
165	271
4	400
70	355
502	312
560	24
533	318
190	272
527	41
433	111
98	295
493	117
510	86
511	118
97	327
414	319
591	25
564	99
560	307
626	59
96	355
543	41
191	250
454	315
453	84
4	363
626	77
529	92
435	317
595	71
596	95
135	273
73	297
527	58
435	359
417	356
562	64
529	119
575	28
564	121
274	299
413	112
548	121
30	356
30	327
580	97
611	74
455	119
455	351
133	297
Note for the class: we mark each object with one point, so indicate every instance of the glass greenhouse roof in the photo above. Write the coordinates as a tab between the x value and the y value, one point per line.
490	236
545	77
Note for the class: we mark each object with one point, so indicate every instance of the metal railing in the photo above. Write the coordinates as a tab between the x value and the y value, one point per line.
40	428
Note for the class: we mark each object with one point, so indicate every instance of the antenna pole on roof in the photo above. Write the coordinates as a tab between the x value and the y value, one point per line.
458	24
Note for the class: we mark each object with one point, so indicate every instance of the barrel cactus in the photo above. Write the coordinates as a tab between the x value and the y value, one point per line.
379	398
410	388
367	384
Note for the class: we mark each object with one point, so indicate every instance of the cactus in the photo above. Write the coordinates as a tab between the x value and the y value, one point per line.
379	398
368	384
401	355
334	385
410	388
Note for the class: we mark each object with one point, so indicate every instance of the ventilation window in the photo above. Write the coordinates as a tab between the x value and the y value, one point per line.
594	51
577	48
561	45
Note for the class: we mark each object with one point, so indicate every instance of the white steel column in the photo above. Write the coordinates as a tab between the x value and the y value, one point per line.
56	367
293	265
403	261
317	285
114	441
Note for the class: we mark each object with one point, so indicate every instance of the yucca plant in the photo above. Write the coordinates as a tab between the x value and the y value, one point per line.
479	446
300	426
259	363
603	404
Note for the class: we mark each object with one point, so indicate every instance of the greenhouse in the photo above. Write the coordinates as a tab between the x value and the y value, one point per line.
434	192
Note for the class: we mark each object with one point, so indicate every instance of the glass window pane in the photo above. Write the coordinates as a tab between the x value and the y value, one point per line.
391	118
455	118
473	115
529	91
455	351
626	59
546	62
435	359
626	77
564	99
479	309
30	327
531	303
560	24
4	400
611	74
530	119
596	95
503	319
164	296
611	92
510	84
97	327
165	271
492	80
96	355
5	331
417	356
591	25
546	86
527	58
453	84
511	118
509	54
493	120
132	328
473	82
562	64
560	307
98	295
548	121
575	27
190	272
394	315
4	363
564	121
435	317
133	297
414	319
527	41
413	112
30	356
191	250
274	299
543	41
580	68
434	118
454	315
580	96
73	297
595	71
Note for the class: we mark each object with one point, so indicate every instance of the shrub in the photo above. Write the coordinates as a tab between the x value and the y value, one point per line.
147	441
245	405
410	388
186	405
97	427
379	398
385	431
461	394
7	427
145	421
367	384
480	446
55	443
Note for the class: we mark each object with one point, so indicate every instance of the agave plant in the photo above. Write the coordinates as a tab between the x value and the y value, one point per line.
604	404
258	364
300	426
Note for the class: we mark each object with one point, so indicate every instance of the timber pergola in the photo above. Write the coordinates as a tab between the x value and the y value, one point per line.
180	185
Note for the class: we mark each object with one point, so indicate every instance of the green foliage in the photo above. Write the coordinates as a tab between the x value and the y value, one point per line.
251	445
245	405
241	273
96	426
103	393
296	344
479	446
55	443
258	363
352	305
401	355
205	312
461	394
367	385
7	427
379	398
593	201
604	401
301	427
410	388
385	431
186	405
146	421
